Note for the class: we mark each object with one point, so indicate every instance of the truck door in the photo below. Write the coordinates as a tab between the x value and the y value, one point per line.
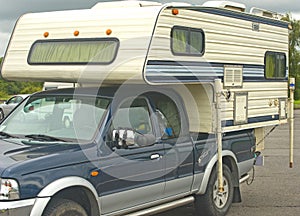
174	134
133	174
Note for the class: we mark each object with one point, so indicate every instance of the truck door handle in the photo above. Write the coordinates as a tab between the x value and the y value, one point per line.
155	156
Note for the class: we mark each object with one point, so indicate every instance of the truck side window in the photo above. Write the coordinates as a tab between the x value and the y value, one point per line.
131	116
168	117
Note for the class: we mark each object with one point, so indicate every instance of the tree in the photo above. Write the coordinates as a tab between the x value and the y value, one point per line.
10	88
294	51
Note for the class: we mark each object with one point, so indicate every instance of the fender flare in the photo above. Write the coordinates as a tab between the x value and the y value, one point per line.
209	168
58	185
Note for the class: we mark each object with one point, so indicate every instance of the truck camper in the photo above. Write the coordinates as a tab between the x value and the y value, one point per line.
170	107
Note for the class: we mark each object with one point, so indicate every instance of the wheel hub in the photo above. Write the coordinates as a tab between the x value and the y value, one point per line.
221	198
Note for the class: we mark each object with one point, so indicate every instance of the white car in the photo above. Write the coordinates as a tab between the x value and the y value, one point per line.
10	104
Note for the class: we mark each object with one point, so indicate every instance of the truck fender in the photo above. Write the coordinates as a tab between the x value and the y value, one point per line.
45	194
209	168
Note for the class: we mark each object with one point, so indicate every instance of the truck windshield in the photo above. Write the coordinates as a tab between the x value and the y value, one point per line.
56	118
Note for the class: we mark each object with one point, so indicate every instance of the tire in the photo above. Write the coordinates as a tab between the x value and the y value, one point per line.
211	204
64	207
1	114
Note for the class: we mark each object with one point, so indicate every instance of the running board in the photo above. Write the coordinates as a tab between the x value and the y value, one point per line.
164	207
244	178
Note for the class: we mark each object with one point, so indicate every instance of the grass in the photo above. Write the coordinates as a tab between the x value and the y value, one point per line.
297	104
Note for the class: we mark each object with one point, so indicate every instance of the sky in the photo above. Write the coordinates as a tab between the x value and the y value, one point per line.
11	10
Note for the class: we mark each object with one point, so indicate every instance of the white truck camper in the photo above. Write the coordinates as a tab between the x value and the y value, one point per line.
229	66
178	43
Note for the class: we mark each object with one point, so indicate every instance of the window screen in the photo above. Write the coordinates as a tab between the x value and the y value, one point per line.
187	41
275	65
74	51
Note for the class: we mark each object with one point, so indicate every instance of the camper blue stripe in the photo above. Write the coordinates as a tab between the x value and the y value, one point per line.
186	71
228	123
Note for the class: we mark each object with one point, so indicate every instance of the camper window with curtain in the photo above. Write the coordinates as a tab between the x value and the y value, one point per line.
187	41
275	65
74	51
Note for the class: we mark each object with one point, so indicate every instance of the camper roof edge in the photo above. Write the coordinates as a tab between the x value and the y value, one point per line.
122	4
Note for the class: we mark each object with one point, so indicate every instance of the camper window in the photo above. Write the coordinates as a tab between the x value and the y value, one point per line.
187	41
275	65
74	51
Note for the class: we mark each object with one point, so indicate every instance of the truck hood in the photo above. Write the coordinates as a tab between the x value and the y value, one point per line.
13	151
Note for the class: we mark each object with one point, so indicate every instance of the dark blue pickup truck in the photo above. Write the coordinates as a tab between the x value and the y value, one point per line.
107	151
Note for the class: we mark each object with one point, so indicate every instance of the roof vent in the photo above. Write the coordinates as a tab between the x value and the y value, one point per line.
226	4
265	13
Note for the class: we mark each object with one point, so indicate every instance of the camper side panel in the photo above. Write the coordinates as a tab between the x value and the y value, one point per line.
235	49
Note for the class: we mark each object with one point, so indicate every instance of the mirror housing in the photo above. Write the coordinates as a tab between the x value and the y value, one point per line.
124	137
129	137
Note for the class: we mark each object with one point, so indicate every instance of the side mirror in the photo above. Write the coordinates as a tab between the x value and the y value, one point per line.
124	137
129	137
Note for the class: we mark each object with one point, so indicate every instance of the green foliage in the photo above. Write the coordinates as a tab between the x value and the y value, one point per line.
297	104
3	95
294	52
10	88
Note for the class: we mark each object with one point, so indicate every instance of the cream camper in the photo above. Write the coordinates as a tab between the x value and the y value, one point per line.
178	43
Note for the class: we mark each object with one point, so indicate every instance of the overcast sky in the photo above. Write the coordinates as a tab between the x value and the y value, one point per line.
10	10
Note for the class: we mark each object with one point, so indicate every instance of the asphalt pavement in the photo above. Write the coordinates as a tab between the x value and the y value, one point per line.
276	187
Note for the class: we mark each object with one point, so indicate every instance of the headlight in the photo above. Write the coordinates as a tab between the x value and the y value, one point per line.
9	189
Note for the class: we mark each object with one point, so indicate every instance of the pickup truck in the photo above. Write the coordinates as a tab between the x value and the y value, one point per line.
127	151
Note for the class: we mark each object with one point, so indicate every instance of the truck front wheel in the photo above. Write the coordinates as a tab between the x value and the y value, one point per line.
214	203
64	207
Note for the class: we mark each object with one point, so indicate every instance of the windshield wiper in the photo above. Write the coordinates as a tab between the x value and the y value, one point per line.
42	137
7	135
